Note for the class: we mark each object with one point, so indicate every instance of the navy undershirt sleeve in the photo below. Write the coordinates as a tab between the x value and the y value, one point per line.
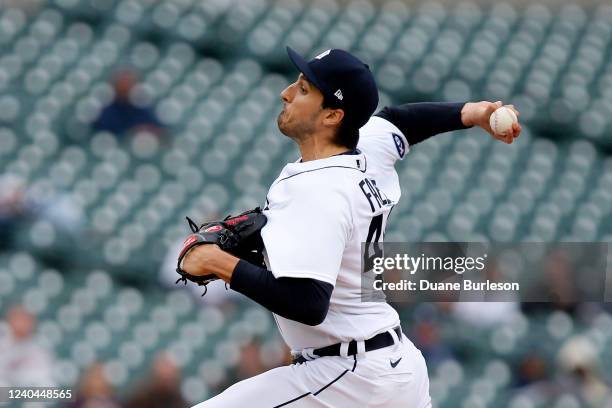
303	300
419	121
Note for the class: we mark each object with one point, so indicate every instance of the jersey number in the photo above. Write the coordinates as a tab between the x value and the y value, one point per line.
373	248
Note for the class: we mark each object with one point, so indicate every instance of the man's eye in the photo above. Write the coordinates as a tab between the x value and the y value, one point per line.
303	89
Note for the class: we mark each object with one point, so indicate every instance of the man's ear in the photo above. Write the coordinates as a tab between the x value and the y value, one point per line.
333	117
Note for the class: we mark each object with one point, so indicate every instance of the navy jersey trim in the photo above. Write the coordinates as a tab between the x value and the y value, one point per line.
365	166
293	400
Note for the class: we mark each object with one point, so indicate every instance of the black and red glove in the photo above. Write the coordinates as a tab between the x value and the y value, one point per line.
239	235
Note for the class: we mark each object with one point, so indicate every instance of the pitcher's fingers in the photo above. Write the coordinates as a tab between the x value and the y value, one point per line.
516	128
516	112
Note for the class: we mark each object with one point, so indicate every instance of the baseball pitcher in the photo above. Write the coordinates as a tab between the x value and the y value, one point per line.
318	212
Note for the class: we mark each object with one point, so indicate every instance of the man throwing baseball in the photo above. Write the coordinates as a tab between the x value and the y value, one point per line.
320	209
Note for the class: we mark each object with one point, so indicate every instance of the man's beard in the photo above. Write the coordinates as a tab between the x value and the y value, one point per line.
298	131
279	123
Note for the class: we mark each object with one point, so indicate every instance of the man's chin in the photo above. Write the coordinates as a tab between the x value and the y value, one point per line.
281	126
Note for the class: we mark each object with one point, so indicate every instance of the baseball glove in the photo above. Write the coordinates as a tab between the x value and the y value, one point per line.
239	235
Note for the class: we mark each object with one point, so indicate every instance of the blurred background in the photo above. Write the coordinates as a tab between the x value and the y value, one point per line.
120	117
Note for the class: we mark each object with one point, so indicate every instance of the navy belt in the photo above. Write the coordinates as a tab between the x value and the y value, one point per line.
379	341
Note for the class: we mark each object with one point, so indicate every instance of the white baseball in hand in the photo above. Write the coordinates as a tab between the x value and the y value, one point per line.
501	120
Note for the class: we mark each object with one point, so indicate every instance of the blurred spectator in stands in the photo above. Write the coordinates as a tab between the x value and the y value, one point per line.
531	369
557	285
95	390
56	207
23	362
122	115
578	361
162	389
577	375
12	208
250	363
37	203
424	331
427	337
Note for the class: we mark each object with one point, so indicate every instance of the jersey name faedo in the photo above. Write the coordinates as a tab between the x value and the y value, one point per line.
319	213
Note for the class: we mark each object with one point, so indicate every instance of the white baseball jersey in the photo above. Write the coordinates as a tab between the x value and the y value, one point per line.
319	213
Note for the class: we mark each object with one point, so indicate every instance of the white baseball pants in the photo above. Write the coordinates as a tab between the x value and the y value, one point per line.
376	379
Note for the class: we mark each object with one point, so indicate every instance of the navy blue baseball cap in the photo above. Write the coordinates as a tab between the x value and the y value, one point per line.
344	80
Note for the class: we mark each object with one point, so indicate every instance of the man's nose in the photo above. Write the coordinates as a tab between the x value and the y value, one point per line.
286	94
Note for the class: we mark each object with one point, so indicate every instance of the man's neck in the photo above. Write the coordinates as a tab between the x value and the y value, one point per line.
315	149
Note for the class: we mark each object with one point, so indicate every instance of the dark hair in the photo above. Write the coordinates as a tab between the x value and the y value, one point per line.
346	134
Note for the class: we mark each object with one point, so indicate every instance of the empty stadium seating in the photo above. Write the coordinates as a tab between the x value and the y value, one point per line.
213	71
